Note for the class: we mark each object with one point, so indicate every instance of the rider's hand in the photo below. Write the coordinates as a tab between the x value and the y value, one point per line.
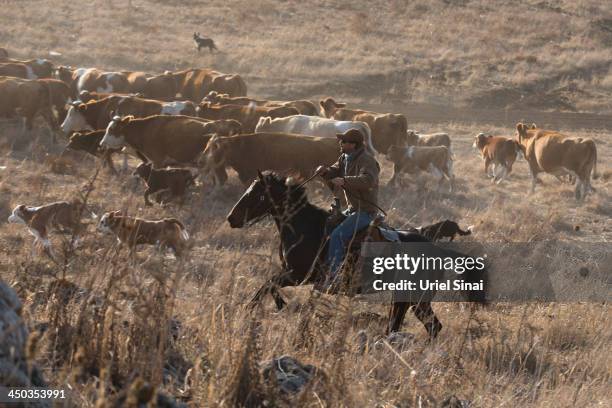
338	181
322	170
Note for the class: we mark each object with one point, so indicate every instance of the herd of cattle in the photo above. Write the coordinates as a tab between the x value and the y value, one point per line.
202	118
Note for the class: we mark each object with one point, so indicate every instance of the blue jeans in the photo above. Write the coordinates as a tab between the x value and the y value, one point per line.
342	235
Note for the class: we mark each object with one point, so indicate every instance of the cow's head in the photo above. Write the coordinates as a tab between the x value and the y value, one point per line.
412	138
64	73
212	97
203	107
75	118
212	159
114	138
480	141
522	131
330	106
81	141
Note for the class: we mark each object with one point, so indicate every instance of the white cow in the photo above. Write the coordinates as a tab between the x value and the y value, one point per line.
314	126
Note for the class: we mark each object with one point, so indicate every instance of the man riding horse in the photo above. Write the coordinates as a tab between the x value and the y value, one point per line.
356	172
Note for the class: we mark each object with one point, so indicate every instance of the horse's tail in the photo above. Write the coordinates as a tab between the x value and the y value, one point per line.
476	275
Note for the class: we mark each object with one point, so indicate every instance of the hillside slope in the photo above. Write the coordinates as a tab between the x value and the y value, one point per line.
494	54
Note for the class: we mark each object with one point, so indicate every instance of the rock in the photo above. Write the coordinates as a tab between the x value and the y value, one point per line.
288	374
14	334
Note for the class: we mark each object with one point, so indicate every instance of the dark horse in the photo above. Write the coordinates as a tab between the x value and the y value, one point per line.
302	231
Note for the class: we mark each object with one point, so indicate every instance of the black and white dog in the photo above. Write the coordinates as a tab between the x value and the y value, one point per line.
203	42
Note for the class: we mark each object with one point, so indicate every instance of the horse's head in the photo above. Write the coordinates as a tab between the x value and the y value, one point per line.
269	194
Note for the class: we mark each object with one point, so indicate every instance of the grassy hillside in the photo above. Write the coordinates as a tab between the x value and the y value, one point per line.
532	53
101	323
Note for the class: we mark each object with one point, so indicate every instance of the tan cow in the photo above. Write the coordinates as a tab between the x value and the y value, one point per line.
248	153
412	159
499	151
303	106
248	116
95	80
163	140
140	107
17	70
60	97
26	98
388	129
557	154
428	139
36	68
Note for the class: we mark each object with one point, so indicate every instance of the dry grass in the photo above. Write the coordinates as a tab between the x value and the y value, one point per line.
549	55
113	326
107	327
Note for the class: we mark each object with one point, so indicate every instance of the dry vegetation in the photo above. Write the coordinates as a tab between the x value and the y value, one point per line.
535	53
104	325
113	323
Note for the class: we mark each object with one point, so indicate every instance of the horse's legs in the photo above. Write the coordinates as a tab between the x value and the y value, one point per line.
396	315
426	315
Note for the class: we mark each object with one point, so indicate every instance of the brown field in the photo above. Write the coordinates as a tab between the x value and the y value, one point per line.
101	324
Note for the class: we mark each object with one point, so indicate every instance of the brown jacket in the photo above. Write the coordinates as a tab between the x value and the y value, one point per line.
360	180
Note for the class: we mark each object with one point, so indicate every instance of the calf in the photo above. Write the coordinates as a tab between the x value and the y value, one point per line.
443	229
61	215
203	42
437	160
431	139
499	150
175	180
89	142
131	231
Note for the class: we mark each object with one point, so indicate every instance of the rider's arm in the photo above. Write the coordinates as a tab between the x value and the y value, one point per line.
366	179
333	171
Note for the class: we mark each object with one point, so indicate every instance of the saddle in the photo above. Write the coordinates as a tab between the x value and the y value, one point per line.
376	231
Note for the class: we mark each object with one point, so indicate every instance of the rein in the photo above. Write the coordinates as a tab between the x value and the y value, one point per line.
346	190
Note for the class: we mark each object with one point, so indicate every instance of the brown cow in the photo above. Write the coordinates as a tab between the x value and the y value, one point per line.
62	215
86	96
3	54
17	70
131	231
554	153
412	159
26	98
499	151
38	68
194	84
275	151
91	115
303	106
388	129
163	140
92	79
428	139
141	108
89	142
60	97
248	116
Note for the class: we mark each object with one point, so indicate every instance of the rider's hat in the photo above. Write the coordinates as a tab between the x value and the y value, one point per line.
351	136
